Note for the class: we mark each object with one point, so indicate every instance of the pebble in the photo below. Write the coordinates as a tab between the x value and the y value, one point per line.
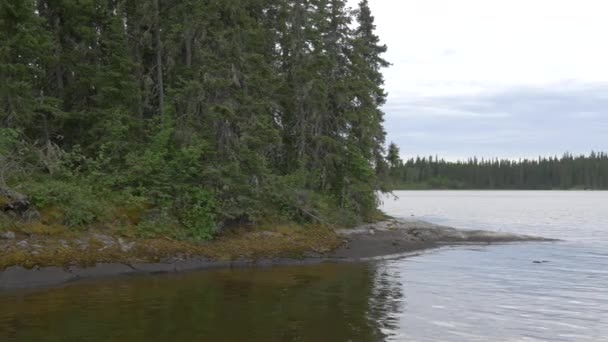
8	236
124	245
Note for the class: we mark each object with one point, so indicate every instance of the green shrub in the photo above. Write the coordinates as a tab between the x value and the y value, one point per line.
8	139
196	212
79	203
159	223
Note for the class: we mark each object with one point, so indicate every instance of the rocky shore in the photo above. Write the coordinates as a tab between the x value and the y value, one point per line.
400	236
107	256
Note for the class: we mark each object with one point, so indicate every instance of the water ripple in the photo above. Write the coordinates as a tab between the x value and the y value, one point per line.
498	293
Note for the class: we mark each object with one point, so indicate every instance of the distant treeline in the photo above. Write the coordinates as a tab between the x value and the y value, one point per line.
567	172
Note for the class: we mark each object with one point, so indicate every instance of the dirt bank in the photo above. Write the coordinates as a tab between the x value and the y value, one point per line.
38	262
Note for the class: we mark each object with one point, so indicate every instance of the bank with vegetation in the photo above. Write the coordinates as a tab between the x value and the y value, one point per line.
177	122
48	262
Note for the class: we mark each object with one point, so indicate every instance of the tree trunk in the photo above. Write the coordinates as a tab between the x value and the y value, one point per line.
59	53
159	59
188	48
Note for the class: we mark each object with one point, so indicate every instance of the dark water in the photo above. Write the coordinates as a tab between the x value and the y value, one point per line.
474	293
310	303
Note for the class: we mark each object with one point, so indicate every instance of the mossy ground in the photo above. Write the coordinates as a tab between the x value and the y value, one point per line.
54	239
58	246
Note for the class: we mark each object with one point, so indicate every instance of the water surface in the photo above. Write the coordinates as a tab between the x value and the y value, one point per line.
310	303
499	293
473	293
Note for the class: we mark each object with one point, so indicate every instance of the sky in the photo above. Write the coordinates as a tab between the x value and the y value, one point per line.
495	78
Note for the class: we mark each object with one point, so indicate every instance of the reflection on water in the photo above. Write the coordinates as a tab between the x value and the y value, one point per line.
471	293
310	303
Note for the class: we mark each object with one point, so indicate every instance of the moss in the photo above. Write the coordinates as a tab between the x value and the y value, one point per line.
51	215
5	222
63	256
129	214
42	229
378	216
294	242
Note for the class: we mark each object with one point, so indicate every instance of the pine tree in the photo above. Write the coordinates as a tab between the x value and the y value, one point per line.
392	156
23	62
235	109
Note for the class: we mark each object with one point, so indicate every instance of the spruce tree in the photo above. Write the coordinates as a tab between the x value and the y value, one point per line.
24	58
233	110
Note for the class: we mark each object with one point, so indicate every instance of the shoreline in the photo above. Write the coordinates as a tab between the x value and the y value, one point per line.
383	240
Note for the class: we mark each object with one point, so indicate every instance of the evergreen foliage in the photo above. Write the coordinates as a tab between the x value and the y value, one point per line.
205	113
568	172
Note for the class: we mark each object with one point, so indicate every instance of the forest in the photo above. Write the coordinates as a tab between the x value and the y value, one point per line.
582	172
182	117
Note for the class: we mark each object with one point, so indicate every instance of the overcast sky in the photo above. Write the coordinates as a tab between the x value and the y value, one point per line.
504	78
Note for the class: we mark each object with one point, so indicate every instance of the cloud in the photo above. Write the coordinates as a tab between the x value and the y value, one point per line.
513	78
518	121
437	108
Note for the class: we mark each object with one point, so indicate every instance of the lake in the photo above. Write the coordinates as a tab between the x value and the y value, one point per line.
466	293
